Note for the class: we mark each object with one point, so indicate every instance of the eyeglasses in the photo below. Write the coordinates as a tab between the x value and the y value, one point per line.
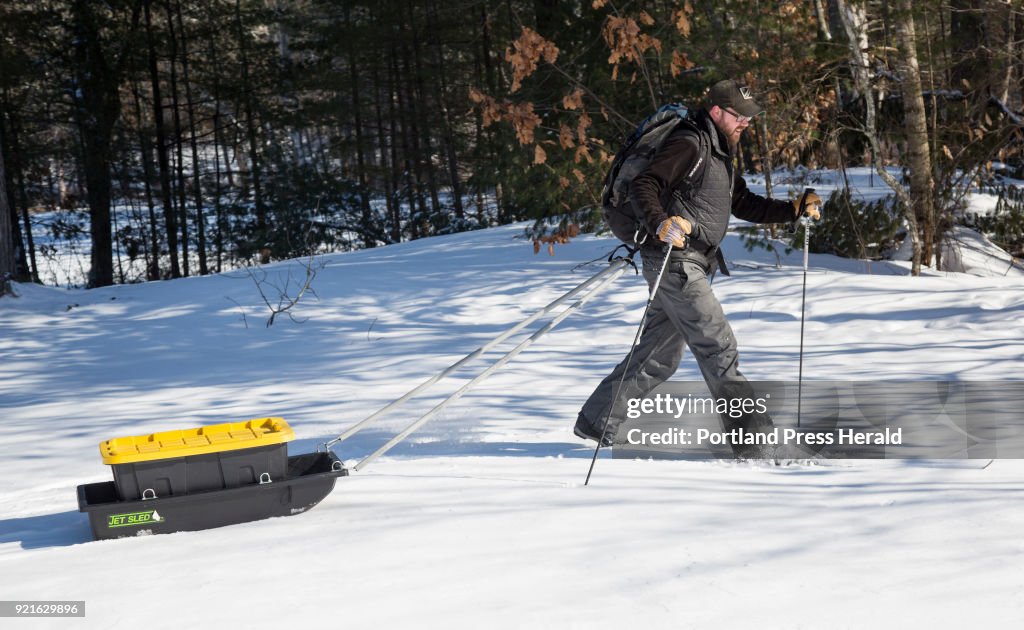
740	119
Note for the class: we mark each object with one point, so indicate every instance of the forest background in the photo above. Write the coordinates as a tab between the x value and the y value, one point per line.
187	137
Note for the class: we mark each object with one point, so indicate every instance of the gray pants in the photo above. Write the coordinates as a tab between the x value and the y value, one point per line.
684	312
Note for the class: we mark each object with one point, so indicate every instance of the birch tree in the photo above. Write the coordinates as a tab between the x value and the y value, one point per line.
855	22
915	124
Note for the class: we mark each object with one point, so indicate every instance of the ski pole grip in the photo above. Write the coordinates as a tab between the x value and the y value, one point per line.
803	201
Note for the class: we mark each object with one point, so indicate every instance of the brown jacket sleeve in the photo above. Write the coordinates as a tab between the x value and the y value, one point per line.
757	209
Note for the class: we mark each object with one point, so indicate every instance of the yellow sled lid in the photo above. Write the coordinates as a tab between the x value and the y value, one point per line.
198	441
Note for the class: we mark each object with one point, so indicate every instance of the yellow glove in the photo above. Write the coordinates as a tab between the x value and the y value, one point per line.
812	206
673	230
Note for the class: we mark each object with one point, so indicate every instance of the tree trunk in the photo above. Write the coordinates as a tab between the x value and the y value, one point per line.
386	153
854	17
974	66
197	190
419	114
7	244
10	240
393	93
178	153
1003	24
480	54
170	220
218	144
96	107
824	34
922	187
369	240
760	135
1009	51
153	261
26	268
855	22
440	94
250	126
1019	61
410	150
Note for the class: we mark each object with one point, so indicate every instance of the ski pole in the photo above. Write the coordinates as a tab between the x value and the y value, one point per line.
805	221
629	359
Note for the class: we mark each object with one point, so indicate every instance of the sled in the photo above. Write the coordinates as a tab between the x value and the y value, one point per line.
205	477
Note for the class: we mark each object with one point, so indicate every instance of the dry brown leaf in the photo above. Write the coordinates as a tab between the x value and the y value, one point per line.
582	127
525	53
680	62
523	120
565	137
625	41
622	37
573	101
682	22
580	177
539	156
490	110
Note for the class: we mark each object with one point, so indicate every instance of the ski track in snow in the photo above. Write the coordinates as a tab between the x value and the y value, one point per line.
481	516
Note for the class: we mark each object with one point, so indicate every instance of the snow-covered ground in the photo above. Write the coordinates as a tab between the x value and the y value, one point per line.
481	518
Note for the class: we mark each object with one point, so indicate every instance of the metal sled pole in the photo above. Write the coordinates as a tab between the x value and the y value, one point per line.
615	265
618	270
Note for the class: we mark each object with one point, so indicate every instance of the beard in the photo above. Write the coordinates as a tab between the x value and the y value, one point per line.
734	138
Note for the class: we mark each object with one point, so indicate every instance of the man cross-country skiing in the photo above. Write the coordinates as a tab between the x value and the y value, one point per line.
684	198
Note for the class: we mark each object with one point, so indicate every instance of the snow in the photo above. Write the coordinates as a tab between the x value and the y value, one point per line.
481	517
968	251
864	182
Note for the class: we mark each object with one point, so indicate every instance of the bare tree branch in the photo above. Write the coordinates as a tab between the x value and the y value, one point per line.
284	301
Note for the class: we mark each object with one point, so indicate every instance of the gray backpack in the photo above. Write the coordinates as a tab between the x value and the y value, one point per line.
634	156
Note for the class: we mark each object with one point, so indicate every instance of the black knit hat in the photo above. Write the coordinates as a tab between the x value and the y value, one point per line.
729	93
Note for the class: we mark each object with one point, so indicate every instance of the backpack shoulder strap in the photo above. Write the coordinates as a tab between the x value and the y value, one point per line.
696	174
640	147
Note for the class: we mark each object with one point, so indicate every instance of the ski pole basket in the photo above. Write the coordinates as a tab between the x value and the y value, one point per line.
204	477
